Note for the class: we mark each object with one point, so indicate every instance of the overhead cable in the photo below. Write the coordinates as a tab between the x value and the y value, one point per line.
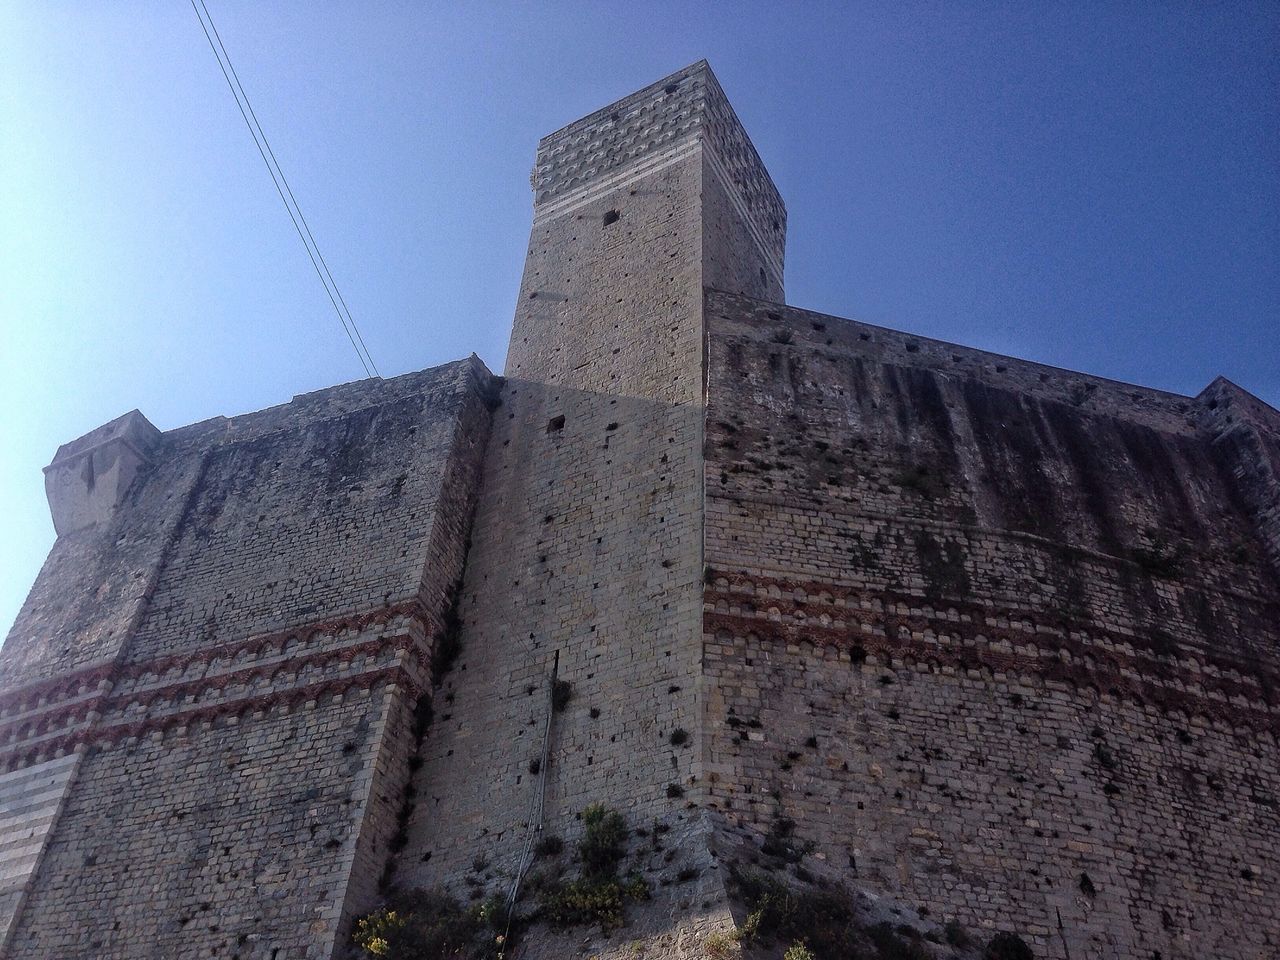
283	189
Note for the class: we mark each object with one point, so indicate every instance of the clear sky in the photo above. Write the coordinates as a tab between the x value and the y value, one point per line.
1091	185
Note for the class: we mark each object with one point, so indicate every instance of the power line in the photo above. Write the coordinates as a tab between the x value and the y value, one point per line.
287	188
278	178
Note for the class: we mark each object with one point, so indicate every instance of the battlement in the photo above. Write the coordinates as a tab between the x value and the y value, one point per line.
661	124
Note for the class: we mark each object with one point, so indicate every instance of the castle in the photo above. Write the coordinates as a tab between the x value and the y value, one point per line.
984	646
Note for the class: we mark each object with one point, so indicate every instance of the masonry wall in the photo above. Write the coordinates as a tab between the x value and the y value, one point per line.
244	738
744	221
999	639
588	535
586	541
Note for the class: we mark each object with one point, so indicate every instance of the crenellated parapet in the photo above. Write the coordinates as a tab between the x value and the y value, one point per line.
681	115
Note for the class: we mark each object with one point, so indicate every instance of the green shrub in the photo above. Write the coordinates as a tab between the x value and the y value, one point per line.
822	920
592	900
798	951
377	933
603	845
548	846
428	925
598	895
721	946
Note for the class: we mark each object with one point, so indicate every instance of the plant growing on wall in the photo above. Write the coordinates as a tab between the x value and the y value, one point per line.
598	895
429	924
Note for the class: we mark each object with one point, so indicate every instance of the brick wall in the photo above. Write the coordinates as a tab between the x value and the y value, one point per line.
1000	639
588	535
273	589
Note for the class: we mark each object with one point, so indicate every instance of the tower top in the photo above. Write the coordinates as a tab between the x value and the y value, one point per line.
659	125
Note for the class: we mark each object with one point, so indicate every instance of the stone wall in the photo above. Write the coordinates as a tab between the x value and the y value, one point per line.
241	687
999	639
588	535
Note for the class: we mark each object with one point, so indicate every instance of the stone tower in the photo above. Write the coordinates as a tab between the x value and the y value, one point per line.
587	546
957	648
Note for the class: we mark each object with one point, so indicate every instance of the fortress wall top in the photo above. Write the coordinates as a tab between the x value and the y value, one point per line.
840	336
301	467
1227	432
329	512
991	634
237	647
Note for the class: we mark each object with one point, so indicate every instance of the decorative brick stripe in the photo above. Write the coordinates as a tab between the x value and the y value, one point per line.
255	644
26	754
896	633
88	678
82	709
33	696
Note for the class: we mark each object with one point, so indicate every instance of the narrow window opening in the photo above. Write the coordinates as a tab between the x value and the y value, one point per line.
671	88
555	423
611	216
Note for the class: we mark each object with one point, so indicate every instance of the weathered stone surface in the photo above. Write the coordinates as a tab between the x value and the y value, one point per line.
90	476
982	627
234	658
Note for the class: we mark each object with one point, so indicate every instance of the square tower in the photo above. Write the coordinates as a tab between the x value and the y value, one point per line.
637	208
587	556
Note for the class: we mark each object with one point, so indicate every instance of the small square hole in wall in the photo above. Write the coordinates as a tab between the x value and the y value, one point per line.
555	423
611	216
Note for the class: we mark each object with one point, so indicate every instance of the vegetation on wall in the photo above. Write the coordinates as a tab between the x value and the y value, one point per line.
598	895
428	925
826	924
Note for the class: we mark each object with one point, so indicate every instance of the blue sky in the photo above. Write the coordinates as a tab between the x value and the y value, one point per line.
1092	185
